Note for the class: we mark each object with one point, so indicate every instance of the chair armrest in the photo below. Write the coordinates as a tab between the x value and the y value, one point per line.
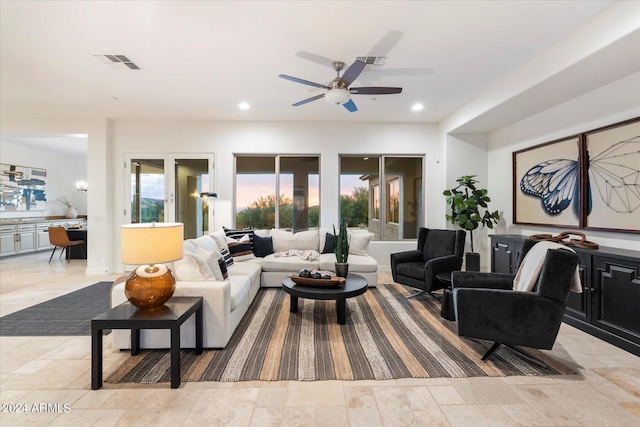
474	279
507	317
406	256
444	264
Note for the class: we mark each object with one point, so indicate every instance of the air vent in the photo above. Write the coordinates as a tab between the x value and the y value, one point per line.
373	63
119	61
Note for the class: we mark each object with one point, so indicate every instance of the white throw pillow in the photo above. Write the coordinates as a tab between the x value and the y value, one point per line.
211	259
220	238
192	268
285	240
359	243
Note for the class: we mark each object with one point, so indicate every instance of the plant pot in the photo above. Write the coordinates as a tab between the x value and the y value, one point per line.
342	269
72	213
472	261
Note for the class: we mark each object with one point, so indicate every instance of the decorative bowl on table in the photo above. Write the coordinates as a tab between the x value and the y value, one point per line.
317	278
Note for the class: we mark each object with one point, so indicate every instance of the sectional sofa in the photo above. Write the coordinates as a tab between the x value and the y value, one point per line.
252	259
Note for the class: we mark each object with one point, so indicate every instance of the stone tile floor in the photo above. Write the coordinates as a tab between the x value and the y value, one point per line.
48	379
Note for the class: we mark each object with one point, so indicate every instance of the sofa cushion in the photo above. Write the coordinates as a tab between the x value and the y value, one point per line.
240	250
248	268
220	238
291	264
359	243
285	240
357	263
192	268
214	261
262	246
239	289
205	242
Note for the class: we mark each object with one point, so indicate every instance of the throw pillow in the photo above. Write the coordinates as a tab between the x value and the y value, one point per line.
239	233
359	243
240	250
192	268
211	258
228	259
262	246
329	244
220	238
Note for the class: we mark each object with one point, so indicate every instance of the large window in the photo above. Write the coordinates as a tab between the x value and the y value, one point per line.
382	194
295	179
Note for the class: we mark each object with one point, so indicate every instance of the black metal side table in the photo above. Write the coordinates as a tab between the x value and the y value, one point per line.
127	316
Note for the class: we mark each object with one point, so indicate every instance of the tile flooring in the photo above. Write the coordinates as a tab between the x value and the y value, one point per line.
49	377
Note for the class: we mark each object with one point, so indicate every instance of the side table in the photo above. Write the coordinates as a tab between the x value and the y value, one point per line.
127	316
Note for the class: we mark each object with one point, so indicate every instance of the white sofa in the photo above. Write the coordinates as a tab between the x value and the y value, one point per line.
226	301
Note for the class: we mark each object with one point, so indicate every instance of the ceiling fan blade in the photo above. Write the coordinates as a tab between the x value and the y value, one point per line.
351	106
304	82
315	58
352	73
386	43
375	90
306	101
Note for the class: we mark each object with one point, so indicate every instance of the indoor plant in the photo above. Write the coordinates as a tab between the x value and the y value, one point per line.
469	210
341	249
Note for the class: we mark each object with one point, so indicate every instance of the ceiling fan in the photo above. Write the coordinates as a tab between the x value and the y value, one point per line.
338	91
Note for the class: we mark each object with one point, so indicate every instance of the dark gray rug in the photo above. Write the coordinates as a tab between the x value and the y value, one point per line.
68	314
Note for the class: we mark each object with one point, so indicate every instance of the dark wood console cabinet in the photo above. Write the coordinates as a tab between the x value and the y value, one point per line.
609	306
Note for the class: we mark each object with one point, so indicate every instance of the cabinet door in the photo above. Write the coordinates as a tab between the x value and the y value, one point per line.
42	238
578	304
26	241
7	244
615	299
503	256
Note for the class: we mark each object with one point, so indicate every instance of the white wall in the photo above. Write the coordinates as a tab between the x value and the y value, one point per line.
610	104
62	173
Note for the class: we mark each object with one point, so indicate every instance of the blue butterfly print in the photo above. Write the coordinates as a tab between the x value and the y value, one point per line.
556	183
615	173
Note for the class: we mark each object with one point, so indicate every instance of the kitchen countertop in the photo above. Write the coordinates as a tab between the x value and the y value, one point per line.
36	220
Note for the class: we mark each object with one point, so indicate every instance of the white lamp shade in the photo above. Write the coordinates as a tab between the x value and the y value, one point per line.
151	243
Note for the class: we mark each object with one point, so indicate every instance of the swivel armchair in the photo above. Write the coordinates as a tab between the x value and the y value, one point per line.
438	251
487	307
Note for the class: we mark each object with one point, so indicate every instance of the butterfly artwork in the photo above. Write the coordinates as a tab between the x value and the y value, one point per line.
612	180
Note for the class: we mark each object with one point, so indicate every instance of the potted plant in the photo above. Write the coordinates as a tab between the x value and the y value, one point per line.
341	249
469	210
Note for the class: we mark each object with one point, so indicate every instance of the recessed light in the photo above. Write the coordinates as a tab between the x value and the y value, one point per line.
417	107
244	106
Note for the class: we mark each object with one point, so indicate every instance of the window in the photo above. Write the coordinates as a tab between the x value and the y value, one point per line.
295	179
368	183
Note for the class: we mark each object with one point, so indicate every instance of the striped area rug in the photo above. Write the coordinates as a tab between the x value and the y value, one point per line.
386	336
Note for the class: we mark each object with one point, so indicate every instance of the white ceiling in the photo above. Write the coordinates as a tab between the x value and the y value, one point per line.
200	59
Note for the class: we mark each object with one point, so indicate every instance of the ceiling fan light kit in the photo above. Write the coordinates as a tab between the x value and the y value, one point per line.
337	96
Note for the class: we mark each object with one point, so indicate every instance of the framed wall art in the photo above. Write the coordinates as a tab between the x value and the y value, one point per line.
546	184
22	188
613	177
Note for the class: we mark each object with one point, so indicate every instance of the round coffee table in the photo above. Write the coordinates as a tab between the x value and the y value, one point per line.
354	285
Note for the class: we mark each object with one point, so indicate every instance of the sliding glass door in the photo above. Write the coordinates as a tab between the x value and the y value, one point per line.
170	188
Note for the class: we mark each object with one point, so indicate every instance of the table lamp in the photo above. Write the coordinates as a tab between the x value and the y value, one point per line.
149	245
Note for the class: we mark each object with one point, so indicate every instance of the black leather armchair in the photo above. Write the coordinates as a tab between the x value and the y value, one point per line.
487	308
439	251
